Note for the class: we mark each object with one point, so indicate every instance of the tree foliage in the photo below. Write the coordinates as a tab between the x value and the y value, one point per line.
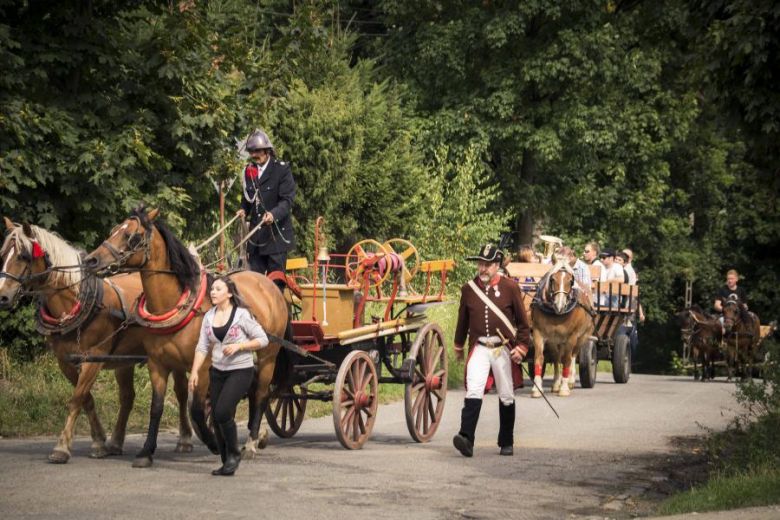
649	125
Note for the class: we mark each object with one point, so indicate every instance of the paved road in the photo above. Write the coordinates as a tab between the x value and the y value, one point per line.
599	461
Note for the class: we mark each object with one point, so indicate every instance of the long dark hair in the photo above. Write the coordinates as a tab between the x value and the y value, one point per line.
235	297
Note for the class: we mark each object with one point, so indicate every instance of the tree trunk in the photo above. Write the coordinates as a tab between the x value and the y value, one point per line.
525	221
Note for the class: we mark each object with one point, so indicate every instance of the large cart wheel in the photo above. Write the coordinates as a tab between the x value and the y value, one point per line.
425	394
286	408
355	400
621	359
588	364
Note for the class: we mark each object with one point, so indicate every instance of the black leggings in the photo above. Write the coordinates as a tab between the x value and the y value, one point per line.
227	388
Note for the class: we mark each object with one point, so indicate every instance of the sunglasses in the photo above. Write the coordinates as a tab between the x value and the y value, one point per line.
587	251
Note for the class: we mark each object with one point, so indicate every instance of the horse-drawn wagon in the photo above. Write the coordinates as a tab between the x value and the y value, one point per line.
342	347
614	310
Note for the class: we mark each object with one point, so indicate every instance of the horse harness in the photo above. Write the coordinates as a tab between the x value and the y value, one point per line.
545	306
135	242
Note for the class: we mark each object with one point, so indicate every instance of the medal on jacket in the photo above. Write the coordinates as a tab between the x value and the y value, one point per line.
497	293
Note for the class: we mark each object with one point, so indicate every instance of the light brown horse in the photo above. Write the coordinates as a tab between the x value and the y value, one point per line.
34	260
743	332
562	324
167	268
705	335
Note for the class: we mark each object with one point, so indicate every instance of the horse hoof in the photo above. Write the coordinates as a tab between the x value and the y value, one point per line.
571	386
248	454
142	462
262	440
58	457
114	450
99	453
183	447
564	393
536	395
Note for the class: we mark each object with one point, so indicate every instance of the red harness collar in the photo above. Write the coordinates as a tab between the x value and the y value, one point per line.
51	320
143	313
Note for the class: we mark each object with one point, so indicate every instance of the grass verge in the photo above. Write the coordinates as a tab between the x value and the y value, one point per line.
746	456
756	487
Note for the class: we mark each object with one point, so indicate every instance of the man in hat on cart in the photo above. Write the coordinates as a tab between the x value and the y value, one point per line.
493	317
269	194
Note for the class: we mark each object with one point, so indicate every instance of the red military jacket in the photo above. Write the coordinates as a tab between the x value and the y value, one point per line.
476	319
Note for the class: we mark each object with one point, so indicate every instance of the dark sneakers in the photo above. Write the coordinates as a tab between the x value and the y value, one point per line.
464	446
507	450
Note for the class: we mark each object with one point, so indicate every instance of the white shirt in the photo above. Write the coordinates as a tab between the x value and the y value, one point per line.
612	273
631	274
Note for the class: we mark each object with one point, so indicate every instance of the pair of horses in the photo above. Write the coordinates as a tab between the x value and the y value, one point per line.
562	323
167	273
741	339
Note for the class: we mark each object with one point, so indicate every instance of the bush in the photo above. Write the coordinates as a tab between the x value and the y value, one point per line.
18	337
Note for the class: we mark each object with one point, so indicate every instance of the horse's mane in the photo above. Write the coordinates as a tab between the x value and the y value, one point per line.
696	308
60	252
183	264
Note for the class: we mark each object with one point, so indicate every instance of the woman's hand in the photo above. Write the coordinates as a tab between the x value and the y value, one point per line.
193	381
232	348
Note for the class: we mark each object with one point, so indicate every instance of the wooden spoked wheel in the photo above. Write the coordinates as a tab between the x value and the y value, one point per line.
425	394
408	252
355	400
365	249
285	409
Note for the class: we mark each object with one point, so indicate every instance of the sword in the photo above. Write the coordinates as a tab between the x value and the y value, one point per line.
505	342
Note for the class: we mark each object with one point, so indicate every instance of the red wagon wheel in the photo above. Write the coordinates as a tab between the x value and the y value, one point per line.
425	394
285	414
355	400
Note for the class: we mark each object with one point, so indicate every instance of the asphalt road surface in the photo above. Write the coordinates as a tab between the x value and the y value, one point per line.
603	459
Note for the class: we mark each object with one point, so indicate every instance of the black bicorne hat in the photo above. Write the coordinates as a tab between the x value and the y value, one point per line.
488	253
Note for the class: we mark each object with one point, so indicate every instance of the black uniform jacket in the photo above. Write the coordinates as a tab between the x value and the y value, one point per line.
277	195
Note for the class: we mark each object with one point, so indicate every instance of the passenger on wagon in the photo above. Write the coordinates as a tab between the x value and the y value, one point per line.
268	198
731	287
630	268
610	272
488	304
581	270
231	333
591	254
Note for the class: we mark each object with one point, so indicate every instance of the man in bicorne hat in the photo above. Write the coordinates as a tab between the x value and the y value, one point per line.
481	301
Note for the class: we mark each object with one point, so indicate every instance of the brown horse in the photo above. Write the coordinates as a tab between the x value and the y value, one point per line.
705	335
563	323
34	260
167	270
743	331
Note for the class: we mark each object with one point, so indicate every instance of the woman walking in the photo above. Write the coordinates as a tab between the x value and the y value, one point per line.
231	333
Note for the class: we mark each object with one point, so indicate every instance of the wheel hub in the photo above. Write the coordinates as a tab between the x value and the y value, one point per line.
362	400
432	382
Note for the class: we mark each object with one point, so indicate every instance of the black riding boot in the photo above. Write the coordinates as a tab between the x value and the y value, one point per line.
506	432
222	450
232	453
464	440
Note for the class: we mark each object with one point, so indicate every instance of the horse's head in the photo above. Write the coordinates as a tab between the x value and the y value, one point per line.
129	244
560	286
685	319
25	261
732	311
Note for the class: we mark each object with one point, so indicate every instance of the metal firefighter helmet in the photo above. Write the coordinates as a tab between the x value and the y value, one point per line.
258	140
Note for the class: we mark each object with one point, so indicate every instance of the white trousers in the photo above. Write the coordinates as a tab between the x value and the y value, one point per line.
480	363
